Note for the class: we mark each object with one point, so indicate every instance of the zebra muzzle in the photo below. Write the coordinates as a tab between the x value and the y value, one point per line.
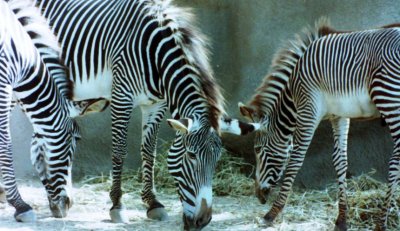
262	194
60	208
201	220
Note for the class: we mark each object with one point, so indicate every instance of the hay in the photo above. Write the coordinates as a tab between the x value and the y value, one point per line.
365	195
228	178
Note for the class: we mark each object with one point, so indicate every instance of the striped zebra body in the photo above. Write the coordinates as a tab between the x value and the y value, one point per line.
147	53
23	72
340	76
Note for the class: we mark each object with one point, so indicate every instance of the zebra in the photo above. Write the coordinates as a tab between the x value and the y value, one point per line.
147	53
24	74
324	74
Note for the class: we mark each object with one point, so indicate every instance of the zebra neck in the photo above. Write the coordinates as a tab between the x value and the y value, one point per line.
283	117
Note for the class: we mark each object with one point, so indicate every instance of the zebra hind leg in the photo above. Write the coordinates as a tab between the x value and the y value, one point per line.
393	180
388	104
151	118
340	131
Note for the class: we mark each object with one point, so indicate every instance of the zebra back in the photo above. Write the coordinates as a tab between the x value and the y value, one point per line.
45	42
268	93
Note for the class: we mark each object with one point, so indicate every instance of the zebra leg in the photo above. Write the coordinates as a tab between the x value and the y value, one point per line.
302	137
120	115
151	118
393	180
388	104
340	131
24	212
38	161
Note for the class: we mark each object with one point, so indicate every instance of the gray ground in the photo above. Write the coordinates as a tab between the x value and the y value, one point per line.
90	212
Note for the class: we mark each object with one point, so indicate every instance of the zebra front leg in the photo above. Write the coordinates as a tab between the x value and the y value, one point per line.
23	211
340	131
151	118
38	154
120	115
305	128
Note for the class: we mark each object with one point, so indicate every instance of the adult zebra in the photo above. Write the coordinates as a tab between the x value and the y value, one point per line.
325	74
147	53
23	72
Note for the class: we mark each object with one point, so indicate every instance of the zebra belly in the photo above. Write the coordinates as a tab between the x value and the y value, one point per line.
358	106
93	87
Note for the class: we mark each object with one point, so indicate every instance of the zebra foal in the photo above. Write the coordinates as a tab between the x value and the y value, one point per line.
325	74
23	72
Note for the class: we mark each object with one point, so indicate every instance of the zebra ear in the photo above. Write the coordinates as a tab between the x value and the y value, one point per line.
182	125
247	111
237	127
91	105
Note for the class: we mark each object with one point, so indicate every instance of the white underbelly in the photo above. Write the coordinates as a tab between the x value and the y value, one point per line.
351	106
98	86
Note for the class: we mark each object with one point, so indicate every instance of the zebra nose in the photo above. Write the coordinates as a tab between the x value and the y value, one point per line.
60	209
262	194
201	220
204	216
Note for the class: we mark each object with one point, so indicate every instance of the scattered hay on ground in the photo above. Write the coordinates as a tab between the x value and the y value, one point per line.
365	198
228	180
365	195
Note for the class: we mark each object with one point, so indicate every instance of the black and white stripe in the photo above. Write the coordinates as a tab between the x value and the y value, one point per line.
23	72
146	53
340	76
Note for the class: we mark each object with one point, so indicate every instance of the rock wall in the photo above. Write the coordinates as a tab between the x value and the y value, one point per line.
244	35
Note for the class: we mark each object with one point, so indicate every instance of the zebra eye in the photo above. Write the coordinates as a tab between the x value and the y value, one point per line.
192	155
257	149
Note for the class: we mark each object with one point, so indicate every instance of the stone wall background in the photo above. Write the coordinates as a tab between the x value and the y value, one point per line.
244	35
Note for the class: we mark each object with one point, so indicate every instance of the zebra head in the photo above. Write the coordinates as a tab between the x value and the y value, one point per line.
51	156
271	149
192	160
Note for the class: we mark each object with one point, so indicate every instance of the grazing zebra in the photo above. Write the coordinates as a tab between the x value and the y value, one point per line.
23	72
147	53
325	74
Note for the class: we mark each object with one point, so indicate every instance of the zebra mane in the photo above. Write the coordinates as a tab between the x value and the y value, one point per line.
44	40
283	63
195	47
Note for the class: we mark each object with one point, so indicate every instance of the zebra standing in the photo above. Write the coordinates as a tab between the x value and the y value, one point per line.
22	72
147	53
339	76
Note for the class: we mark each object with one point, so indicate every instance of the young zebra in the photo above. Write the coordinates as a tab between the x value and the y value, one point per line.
337	76
23	73
147	53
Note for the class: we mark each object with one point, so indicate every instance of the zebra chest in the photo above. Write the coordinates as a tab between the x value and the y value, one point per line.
357	106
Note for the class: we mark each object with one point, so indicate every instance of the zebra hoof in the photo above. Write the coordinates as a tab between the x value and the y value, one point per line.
28	216
118	216
157	214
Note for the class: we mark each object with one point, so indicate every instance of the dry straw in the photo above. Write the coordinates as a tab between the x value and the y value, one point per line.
365	195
